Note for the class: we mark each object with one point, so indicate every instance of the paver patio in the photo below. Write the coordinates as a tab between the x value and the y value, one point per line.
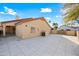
51	45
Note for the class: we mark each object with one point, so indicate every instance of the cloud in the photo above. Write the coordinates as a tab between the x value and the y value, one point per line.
2	13
6	8
8	11
46	10
48	18
58	16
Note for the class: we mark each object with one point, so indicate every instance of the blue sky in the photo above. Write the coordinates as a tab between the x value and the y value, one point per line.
51	11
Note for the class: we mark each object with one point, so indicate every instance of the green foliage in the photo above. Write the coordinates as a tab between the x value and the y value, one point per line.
55	25
67	24
49	21
72	11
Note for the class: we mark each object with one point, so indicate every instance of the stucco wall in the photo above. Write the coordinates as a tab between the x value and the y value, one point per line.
24	30
0	24
54	31
0	28
78	35
71	33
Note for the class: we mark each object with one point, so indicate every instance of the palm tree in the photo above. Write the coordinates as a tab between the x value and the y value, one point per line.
70	11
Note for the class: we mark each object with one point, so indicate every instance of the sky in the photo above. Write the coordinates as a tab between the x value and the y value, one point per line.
50	11
39	1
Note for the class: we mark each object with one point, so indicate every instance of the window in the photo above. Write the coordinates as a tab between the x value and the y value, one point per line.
32	29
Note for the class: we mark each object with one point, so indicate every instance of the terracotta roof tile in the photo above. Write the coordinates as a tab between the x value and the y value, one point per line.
26	20
22	20
10	21
29	19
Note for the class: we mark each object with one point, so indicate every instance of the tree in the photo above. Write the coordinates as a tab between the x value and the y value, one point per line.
70	11
55	25
49	21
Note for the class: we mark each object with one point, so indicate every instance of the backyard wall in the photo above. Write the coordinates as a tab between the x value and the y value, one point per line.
78	35
71	32
54	31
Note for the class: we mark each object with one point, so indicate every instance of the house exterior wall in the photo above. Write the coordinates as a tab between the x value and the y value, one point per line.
4	28
0	24
24	30
0	27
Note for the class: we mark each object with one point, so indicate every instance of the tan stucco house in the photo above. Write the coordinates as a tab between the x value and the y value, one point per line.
0	27
26	28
